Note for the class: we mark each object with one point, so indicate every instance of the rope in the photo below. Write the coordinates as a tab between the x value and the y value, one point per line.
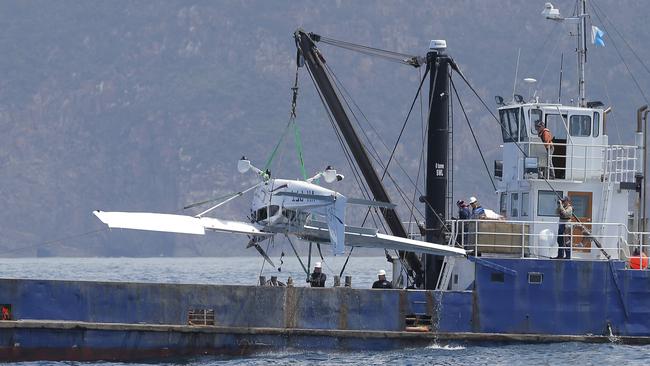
620	56
296	132
372	51
471	129
596	7
297	256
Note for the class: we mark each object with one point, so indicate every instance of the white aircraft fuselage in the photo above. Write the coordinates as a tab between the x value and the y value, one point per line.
283	205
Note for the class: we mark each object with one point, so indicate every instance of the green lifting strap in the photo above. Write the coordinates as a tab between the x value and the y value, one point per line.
275	149
296	133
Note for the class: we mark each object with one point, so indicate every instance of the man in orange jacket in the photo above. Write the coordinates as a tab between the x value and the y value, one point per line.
547	138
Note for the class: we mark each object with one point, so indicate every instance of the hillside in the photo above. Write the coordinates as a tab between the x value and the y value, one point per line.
147	105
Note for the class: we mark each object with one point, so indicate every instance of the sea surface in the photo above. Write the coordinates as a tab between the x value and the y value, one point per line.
246	270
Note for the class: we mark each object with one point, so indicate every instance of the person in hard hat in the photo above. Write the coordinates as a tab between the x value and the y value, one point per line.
478	213
547	138
317	278
565	211
381	281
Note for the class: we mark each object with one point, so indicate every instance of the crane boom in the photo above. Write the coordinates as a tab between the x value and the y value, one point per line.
305	42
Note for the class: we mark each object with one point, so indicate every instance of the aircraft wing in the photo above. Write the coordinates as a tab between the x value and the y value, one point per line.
370	238
175	223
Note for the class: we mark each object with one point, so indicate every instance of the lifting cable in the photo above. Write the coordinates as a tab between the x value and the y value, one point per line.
595	7
342	89
460	102
296	132
402	58
403	196
350	161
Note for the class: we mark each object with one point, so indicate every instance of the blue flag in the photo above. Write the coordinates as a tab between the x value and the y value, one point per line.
597	36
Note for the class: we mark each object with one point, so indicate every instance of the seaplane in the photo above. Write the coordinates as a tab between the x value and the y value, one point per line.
299	208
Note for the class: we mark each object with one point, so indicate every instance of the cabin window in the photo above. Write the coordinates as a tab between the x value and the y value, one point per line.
524	204
503	203
510	124
514	205
557	125
580	126
522	126
596	124
547	202
535	115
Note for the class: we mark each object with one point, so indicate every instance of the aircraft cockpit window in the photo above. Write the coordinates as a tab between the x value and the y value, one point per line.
263	213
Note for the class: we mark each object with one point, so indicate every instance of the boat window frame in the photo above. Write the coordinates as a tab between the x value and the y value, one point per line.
554	195
503	203
532	123
576	120
557	119
512	135
525	204
596	124
514	204
523	136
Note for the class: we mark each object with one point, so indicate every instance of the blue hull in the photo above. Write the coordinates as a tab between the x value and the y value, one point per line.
79	320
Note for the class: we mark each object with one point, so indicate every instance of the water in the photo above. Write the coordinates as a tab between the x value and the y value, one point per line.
226	270
245	270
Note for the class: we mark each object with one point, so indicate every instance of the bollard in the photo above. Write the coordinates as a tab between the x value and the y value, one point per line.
262	280
337	281
348	281
289	282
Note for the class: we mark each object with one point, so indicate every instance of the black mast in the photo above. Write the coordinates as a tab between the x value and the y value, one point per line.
437	149
315	62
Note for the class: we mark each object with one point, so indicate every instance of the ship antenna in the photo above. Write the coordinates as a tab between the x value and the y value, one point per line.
514	86
582	50
581	19
559	92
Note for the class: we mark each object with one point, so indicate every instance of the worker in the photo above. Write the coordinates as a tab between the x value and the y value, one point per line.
565	211
478	213
547	138
381	281
317	278
464	212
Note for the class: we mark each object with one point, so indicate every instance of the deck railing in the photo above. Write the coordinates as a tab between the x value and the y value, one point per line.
581	162
538	239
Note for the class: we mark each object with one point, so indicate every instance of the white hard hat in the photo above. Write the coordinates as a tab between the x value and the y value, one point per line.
381	272
472	200
317	265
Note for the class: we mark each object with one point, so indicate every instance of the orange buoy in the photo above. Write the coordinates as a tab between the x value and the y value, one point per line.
639	263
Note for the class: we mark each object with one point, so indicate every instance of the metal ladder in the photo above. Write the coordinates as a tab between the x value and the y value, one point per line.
608	185
445	273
